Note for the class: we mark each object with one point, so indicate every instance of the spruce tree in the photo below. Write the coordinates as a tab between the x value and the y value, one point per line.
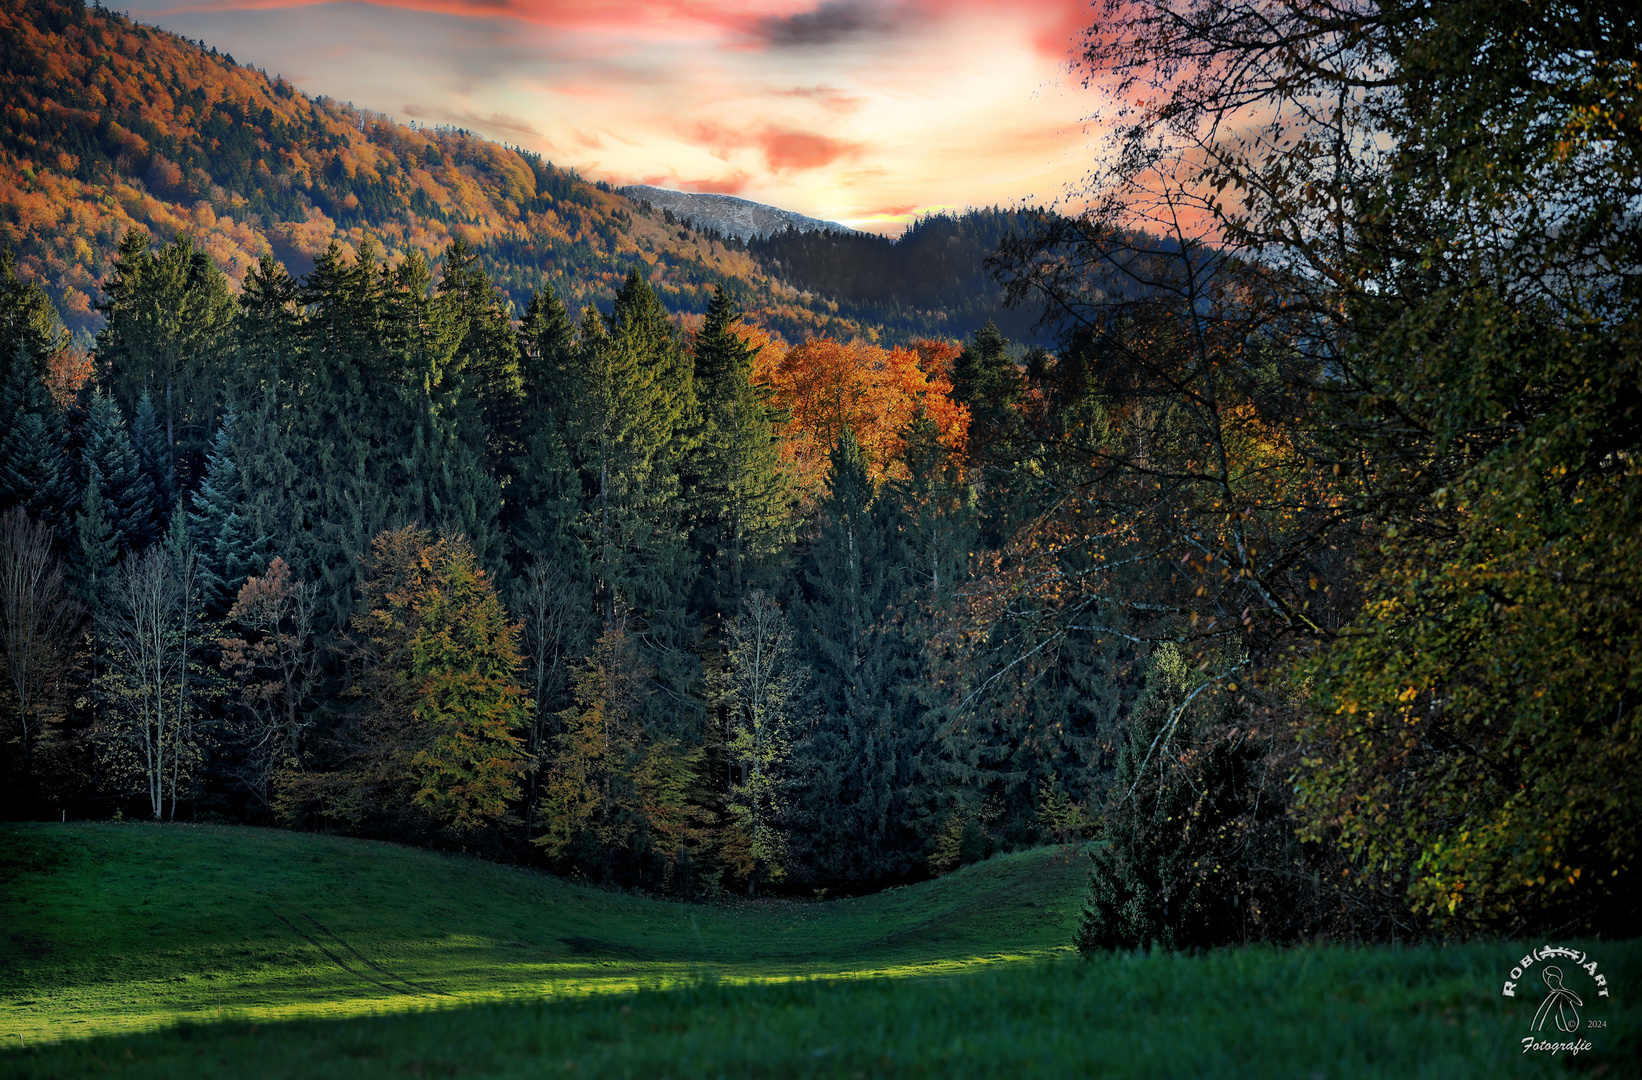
739	499
222	538
853	821
34	468
938	515
29	329
483	367
268	328
345	430
269	375
33	472
127	492
170	315
154	457
547	352
1195	831
627	420
96	549
545	492
987	381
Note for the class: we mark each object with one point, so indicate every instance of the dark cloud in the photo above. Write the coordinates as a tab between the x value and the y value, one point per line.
831	22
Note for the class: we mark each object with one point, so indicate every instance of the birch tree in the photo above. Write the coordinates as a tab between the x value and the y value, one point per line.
149	632
762	687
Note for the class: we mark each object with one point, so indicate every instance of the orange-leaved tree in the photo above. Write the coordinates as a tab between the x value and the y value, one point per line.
829	387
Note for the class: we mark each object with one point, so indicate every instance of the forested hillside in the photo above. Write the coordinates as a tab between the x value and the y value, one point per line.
680	588
931	281
109	126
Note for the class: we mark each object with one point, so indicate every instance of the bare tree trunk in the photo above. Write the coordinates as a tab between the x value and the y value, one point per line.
139	626
183	565
37	616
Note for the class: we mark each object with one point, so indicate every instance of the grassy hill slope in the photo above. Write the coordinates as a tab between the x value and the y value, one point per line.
400	962
118	926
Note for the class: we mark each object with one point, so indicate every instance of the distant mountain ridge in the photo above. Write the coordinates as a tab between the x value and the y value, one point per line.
110	126
727	214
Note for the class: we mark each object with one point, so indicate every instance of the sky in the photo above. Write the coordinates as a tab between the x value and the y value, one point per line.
864	112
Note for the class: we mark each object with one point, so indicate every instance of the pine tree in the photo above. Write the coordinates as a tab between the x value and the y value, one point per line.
220	534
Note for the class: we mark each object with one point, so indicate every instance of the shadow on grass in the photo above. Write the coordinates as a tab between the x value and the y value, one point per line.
1426	1012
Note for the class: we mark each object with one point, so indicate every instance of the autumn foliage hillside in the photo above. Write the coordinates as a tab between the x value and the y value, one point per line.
108	126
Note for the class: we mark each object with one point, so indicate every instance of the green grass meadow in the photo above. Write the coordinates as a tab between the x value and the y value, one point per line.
166	951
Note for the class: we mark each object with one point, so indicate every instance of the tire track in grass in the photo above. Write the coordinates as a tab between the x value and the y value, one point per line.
367	961
337	960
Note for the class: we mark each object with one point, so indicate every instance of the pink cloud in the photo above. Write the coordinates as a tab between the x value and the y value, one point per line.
789	150
785	150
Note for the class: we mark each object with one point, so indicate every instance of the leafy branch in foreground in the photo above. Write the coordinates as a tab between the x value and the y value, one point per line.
1425	217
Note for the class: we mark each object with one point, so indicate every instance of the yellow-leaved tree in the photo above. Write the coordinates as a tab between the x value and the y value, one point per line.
440	731
615	795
